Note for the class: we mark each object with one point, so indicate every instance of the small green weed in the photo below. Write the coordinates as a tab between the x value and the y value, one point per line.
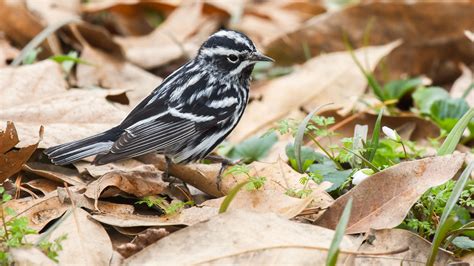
161	203
14	231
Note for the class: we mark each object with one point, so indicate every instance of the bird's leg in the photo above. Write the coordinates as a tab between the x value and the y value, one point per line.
166	174
224	163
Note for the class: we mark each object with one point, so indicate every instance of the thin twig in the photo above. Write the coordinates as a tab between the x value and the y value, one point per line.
38	39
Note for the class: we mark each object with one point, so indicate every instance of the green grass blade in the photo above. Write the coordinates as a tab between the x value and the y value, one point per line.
230	196
374	143
38	39
452	140
300	134
339	234
376	88
445	223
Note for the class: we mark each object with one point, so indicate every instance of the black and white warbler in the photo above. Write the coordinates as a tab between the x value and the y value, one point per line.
185	117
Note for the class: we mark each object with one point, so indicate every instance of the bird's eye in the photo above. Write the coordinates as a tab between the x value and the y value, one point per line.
232	58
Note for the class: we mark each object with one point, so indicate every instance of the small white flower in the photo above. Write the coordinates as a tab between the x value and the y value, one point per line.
361	175
391	134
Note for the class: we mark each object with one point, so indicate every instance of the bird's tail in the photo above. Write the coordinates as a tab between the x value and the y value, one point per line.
74	151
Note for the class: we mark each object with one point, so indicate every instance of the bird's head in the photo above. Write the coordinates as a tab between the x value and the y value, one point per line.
231	53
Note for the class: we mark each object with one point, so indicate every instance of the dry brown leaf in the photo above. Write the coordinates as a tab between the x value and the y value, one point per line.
182	33
266	21
8	138
264	201
393	239
100	170
462	84
11	161
230	238
141	182
87	242
39	211
18	23
142	240
53	12
29	256
29	83
186	217
37	95
54	173
330	78
261	201
384	199
7	52
80	200
44	185
109	72
430	46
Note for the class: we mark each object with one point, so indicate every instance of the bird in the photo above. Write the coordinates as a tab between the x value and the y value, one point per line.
192	111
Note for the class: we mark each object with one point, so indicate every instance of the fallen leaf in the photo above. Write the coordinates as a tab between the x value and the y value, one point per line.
319	81
37	94
182	33
109	72
263	201
100	170
266	21
38	211
142	240
44	185
12	161
393	239
430	46
87	242
462	84
231	239
22	30
54	173
29	83
53	12
29	256
140	182
7	52
8	138
384	199
186	217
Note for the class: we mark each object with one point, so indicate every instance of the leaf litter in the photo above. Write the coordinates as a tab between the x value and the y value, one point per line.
130	46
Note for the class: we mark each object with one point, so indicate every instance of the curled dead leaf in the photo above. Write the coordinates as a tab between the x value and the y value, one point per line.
231	239
384	199
142	240
11	161
140	182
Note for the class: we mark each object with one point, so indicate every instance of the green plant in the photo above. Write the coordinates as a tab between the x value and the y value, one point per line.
252	149
339	234
447	220
68	61
52	249
168	208
252	183
14	231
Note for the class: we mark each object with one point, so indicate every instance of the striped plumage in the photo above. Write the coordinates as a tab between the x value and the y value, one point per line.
187	116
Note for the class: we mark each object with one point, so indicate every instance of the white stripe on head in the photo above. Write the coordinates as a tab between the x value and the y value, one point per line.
238	38
218	51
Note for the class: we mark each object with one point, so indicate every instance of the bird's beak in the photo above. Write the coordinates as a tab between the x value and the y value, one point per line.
259	57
